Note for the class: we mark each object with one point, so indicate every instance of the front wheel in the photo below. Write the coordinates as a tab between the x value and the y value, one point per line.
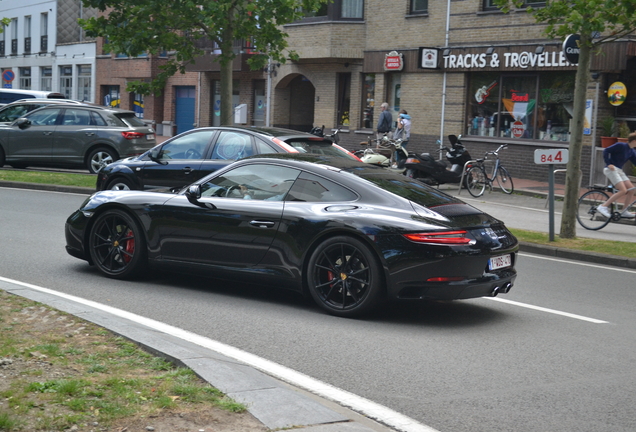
505	181
116	245
476	181
99	158
344	277
587	213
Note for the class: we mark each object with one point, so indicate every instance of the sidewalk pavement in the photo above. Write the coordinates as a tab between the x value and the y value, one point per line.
272	401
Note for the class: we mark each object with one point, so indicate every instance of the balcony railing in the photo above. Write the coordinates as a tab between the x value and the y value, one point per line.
14	46
27	45
2	54
44	43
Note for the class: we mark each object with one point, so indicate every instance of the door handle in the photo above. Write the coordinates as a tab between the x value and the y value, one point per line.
187	170
262	224
47	133
89	133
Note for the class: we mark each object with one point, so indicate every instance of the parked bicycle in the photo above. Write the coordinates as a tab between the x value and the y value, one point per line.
588	215
478	179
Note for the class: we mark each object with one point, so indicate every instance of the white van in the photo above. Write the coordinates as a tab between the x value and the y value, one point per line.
12	95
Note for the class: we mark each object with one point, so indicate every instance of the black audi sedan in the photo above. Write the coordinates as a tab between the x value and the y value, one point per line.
191	155
349	234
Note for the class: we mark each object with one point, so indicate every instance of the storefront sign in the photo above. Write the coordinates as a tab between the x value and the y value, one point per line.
429	58
393	61
571	48
507	60
617	93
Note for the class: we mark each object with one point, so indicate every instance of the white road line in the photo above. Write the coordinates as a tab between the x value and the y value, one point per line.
552	311
581	263
357	403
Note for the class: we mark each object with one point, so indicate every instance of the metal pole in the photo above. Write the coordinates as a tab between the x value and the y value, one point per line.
269	92
551	199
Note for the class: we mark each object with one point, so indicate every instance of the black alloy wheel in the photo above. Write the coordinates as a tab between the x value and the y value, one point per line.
344	277
116	245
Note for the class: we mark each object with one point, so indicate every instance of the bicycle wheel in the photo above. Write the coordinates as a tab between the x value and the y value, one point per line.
505	181
586	212
476	181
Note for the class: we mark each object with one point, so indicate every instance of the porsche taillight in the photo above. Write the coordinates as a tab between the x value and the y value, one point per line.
440	237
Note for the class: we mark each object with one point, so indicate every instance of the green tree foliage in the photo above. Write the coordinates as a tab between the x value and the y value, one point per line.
596	22
178	27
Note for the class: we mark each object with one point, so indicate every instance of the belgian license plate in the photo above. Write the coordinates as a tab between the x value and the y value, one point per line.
150	136
500	262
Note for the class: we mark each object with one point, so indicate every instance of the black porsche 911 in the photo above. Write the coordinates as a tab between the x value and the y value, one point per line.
349	234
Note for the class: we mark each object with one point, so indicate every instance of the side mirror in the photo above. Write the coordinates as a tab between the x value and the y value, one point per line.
193	194
155	155
22	123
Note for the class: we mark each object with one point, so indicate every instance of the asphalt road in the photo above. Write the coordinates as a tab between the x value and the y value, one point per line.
477	365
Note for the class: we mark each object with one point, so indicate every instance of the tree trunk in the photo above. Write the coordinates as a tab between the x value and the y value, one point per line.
227	112
573	174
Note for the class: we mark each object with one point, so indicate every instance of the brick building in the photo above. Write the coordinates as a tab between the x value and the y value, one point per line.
456	67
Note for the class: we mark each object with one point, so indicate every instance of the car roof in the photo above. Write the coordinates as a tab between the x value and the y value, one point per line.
280	133
93	106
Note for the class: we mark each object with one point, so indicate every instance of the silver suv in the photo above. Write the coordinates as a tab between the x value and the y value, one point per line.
74	135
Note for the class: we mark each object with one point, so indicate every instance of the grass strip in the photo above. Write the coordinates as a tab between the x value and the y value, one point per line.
53	178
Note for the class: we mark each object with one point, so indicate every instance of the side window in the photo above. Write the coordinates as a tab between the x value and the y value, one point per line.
190	146
263	148
311	188
256	181
45	117
13	113
97	120
232	145
76	117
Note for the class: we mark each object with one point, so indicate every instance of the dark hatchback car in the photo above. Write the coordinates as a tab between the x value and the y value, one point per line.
74	135
348	234
191	155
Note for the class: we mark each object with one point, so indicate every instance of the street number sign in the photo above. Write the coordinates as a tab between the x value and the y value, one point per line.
551	156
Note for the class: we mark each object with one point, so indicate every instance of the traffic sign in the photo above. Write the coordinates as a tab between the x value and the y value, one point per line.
551	156
8	75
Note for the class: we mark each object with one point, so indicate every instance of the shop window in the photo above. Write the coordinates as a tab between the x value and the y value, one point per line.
66	81
84	83
25	78
344	98
394	95
216	99
521	106
46	78
419	7
368	100
111	96
138	104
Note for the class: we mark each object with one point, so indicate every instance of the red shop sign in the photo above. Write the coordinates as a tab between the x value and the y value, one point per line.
393	61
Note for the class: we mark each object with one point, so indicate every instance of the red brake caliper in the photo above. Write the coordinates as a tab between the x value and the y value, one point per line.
130	246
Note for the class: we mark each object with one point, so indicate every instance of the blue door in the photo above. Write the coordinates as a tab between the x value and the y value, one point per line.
184	108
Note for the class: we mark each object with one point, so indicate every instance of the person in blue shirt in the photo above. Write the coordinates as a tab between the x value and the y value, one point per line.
615	157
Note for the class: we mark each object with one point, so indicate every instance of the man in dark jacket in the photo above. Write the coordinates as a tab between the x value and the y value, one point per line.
615	157
385	121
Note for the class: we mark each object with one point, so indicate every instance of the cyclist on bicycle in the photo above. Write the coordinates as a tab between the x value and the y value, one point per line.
615	157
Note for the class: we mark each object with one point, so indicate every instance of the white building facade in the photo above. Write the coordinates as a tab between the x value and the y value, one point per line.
46	49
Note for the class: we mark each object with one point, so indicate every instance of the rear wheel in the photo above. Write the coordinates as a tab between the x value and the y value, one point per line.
2	157
99	158
505	181
587	213
120	184
476	181
344	277
116	245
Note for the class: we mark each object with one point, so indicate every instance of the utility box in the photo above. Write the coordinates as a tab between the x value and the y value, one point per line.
240	114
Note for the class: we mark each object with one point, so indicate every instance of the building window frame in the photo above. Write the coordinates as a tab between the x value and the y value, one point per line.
418	7
46	78
66	81
25	78
338	10
344	100
368	100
